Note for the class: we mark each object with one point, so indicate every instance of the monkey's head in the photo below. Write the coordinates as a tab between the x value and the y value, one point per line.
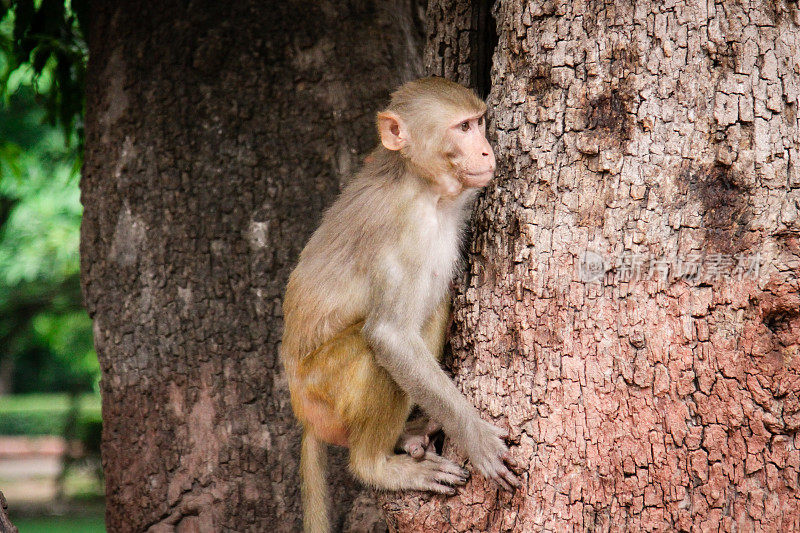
439	127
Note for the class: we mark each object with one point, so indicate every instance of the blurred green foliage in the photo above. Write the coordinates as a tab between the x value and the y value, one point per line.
45	335
45	39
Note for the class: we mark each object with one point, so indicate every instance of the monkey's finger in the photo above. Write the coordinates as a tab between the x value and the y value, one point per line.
434	485
512	463
450	479
502	482
497	431
509	477
447	465
416	451
438	488
503	433
452	468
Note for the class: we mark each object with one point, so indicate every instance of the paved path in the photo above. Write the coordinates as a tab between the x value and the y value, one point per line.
28	468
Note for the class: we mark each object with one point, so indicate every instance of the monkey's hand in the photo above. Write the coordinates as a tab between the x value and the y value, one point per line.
416	437
489	454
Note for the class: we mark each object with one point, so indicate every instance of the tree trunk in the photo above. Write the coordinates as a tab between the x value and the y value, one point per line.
216	134
5	523
631	306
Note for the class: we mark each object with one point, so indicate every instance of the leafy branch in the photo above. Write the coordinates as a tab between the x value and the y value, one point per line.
48	39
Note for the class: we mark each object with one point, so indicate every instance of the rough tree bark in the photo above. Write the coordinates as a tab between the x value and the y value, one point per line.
631	308
5	523
216	134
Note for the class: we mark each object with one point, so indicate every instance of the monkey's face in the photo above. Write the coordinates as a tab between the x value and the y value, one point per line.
439	128
468	150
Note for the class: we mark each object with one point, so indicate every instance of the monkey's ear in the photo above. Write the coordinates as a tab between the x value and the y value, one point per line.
392	130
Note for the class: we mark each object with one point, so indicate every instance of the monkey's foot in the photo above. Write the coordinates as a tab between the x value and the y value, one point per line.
437	474
416	438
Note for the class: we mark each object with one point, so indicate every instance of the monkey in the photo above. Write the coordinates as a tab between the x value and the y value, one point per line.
366	307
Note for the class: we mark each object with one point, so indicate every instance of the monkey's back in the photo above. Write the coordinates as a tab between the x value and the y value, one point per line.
382	232
330	287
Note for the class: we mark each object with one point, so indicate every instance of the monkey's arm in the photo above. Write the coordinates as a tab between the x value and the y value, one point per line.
407	359
403	353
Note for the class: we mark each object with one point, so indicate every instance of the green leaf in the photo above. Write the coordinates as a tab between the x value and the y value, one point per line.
47	38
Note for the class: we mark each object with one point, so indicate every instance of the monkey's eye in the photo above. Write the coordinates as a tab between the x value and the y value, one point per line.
465	125
480	121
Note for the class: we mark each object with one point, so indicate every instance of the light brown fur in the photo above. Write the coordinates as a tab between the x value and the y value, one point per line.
366	307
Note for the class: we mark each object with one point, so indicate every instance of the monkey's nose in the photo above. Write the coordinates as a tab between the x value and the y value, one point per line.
485	154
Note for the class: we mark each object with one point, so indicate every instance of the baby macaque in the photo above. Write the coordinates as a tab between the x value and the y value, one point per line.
367	306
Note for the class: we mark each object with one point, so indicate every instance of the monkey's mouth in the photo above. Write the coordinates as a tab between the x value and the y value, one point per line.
478	179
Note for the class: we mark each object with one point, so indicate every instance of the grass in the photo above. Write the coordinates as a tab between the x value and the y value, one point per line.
46	401
46	414
42	414
58	524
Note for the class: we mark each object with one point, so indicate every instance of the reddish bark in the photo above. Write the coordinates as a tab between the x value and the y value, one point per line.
656	137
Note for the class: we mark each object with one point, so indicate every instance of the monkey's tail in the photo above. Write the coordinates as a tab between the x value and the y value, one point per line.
314	488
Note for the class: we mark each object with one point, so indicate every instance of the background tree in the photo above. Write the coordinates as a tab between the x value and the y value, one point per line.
651	383
216	133
5	524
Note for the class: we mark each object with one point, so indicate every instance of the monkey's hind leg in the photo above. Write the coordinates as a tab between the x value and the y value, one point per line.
376	418
383	469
